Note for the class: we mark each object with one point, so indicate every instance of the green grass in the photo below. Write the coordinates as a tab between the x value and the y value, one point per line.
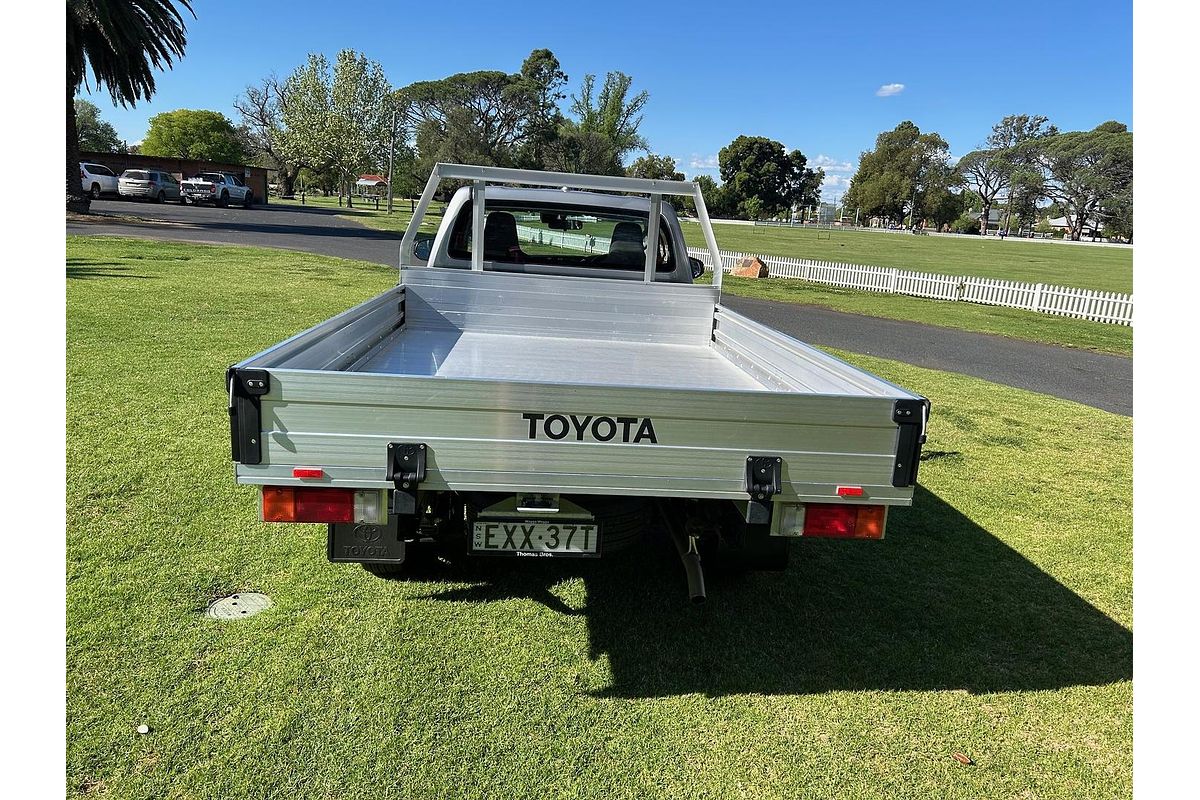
1012	322
1108	269
364	212
993	621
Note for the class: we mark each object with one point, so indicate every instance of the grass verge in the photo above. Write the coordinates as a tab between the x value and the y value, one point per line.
993	621
1013	322
1108	269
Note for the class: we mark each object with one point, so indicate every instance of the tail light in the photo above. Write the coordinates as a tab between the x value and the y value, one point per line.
82	174
838	521
322	504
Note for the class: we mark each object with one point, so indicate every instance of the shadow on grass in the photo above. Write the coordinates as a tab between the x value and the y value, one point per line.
90	268
940	604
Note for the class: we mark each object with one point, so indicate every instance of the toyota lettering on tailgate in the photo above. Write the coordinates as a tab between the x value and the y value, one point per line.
635	430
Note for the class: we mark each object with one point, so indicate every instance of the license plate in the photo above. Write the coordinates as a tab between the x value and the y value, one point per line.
535	538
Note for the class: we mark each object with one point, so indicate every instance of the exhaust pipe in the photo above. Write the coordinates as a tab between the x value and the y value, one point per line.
690	556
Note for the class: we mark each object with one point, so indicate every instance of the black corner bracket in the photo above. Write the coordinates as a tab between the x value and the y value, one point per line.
246	388
405	469
912	415
764	480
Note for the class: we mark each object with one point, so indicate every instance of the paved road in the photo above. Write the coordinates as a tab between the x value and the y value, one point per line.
316	230
1101	381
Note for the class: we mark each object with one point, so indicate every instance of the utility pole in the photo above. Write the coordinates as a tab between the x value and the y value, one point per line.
391	159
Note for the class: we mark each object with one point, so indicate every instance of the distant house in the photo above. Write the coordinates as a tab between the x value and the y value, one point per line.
1091	227
995	217
371	185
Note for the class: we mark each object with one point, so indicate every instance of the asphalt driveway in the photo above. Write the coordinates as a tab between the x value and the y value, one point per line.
1101	381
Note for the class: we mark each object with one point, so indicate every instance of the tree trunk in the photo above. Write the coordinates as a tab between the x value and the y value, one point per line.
77	201
287	179
983	219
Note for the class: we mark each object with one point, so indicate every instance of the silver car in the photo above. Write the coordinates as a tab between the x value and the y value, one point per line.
149	184
96	179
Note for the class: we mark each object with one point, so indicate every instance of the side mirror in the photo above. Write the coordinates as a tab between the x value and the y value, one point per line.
423	246
697	267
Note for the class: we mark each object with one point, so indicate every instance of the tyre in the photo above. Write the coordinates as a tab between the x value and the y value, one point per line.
248	200
95	191
224	201
161	198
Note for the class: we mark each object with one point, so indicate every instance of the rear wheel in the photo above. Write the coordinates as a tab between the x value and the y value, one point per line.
95	191
161	198
224	201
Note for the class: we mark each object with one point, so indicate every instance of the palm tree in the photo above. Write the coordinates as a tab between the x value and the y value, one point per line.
123	41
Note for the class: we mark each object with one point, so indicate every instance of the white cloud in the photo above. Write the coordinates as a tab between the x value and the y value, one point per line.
703	162
889	89
835	183
831	164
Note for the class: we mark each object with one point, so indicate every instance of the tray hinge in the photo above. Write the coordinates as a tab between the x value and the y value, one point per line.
406	469
764	479
912	415
246	388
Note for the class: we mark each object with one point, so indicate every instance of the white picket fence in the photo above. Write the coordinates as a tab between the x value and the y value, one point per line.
573	241
1115	308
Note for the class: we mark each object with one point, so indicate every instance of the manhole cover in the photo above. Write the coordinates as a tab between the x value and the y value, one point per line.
236	606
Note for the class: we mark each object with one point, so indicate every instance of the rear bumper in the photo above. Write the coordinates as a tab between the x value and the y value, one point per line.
199	196
138	191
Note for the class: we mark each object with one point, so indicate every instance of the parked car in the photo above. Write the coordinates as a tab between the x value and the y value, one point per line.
97	179
219	188
149	184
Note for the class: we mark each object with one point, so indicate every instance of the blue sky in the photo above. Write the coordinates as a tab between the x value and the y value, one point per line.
808	75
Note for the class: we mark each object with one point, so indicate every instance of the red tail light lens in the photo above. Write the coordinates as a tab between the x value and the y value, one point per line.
323	504
307	504
837	521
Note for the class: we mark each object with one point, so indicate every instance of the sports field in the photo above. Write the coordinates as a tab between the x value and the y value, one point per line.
993	622
1108	269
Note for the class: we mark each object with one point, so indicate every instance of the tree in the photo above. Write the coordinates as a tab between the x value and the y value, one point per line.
1012	139
987	174
541	82
197	134
580	151
906	167
613	115
263	123
657	167
1089	174
759	168
123	42
487	117
95	135
337	119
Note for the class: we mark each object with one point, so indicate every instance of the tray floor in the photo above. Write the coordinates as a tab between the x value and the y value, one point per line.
465	354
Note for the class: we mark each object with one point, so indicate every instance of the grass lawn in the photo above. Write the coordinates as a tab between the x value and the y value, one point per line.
994	621
1108	269
364	212
1013	322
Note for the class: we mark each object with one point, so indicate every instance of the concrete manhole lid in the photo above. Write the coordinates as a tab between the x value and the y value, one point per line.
236	606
